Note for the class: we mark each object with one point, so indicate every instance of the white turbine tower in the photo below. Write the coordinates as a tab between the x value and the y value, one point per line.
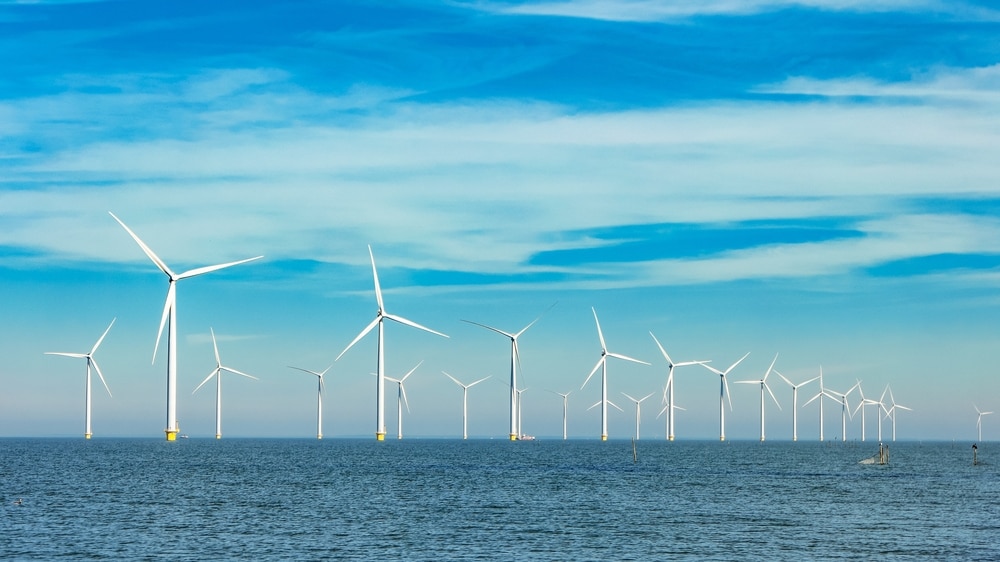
565	402
401	400
891	413
823	393
638	402
320	386
380	316
795	403
515	363
724	394
845	409
861	406
87	433
979	421
668	390
602	364
217	372
465	401
520	430
763	386
169	317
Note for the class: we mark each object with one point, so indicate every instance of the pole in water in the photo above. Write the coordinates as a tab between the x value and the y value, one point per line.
635	456
975	453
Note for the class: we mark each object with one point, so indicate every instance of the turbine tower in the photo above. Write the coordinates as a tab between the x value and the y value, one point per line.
401	399
638	402
979	421
565	402
892	411
795	403
763	386
217	372
602	364
87	433
861	406
465	401
724	394
820	395
320	386
169	317
668	390
380	316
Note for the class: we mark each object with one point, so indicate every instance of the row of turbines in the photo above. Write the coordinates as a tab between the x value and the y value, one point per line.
886	410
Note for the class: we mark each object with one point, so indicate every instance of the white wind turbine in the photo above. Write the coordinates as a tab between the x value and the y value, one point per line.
638	402
320	386
170	314
380	316
565	402
465	401
823	393
515	362
87	433
795	403
668	390
979	421
891	413
602	364
217	372
724	394
763	386
401	399
520	431
861	406
845	410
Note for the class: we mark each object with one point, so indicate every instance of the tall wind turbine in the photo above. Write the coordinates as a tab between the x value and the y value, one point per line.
602	364
170	314
763	386
795	403
465	401
87	433
823	393
217	372
520	430
668	390
724	394
401	399
892	411
861	406
565	402
638	402
320	386
979	421
845	410
515	362
380	316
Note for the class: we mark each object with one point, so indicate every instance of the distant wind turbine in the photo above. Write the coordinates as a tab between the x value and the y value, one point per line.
380	316
795	403
845	409
320	387
861	406
465	401
724	394
763	386
638	402
217	372
170	314
87	433
892	411
520	428
823	393
401	399
602	364
668	390
565	402
979	421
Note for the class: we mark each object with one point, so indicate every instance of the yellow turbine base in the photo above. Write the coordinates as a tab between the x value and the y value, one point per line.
380	437
513	437
171	434
671	438
319	436
218	436
604	438
87	435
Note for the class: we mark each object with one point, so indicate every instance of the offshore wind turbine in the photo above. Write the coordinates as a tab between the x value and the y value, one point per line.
565	402
820	395
844	409
602	364
217	372
763	386
320	386
637	401
979	421
668	390
169	317
380	316
87	433
515	362
465	401
401	399
892	411
520	431
861	406
724	393
795	403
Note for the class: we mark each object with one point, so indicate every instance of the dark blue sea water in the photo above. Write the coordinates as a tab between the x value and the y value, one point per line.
494	500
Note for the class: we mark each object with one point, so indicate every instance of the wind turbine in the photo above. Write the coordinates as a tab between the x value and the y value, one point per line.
795	403
668	391
380	316
319	397
820	395
520	431
979	421
637	401
217	372
565	398
724	393
170	314
465	401
602	364
844	409
401	399
763	385
892	411
515	362
87	433
861	406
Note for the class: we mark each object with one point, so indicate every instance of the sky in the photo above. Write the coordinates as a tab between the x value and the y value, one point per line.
813	179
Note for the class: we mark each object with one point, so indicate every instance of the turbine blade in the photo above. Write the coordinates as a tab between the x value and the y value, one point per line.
235	372
479	381
100	375
663	351
167	305
359	336
378	288
711	368
733	366
215	346
208	378
769	369
210	268
410	372
615	405
453	379
149	253
599	333
594	370
65	354
627	358
725	385
411	323
776	403
626	395
99	340
512	336
784	379
402	390
306	371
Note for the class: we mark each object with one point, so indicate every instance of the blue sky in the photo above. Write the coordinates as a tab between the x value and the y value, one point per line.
814	179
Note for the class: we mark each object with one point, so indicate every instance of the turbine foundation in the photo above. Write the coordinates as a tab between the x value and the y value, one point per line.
513	437
87	435
604	438
380	436
171	434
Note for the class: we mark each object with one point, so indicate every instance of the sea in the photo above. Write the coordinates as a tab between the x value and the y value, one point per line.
439	499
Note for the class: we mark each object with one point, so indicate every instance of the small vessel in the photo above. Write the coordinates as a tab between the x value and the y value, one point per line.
526	438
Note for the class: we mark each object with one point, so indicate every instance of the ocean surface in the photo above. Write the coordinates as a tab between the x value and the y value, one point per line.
428	499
